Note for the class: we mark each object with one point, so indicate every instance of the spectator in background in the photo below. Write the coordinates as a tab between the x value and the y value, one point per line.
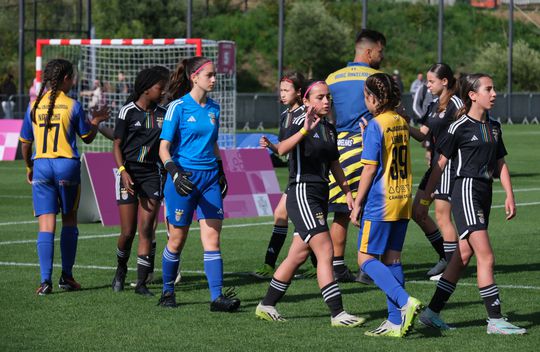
8	90
421	101
96	95
417	83
32	92
122	87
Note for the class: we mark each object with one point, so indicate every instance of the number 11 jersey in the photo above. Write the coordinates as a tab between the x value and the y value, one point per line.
386	145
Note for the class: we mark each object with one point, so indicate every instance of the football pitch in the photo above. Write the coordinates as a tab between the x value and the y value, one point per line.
96	318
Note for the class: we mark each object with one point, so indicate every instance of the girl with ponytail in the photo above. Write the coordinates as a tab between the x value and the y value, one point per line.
382	208
140	175
440	114
196	179
474	143
53	122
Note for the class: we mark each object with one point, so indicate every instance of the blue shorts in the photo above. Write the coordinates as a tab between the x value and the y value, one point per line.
206	198
376	237
56	184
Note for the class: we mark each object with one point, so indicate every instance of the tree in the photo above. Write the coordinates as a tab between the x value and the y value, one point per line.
315	43
493	60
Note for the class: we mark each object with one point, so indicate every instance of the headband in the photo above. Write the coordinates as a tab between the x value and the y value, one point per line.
285	79
311	86
201	67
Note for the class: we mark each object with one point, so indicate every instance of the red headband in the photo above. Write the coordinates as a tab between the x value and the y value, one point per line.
201	67
285	79
311	86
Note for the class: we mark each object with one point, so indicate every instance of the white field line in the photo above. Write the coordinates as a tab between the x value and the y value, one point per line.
115	234
111	268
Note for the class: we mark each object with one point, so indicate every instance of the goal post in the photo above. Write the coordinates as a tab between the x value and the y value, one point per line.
113	64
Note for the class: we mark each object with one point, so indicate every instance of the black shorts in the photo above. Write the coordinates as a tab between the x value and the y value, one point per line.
148	182
307	206
443	190
471	204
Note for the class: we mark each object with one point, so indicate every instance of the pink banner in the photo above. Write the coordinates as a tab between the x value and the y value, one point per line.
9	138
253	186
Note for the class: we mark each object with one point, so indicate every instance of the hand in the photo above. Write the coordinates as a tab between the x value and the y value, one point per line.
363	124
182	183
312	119
264	142
99	114
127	182
29	175
356	214
510	207
427	157
349	200
223	185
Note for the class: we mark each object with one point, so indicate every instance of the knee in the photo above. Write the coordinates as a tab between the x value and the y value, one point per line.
281	217
486	260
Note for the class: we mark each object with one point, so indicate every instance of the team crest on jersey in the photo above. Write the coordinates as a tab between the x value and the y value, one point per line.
178	214
159	121
480	216
441	114
212	117
320	218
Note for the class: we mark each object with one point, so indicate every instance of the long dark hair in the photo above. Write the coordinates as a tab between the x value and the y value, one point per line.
442	70
297	80
180	82
386	90
53	75
469	83
146	79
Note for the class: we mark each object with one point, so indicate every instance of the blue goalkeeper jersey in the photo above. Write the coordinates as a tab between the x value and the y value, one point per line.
192	130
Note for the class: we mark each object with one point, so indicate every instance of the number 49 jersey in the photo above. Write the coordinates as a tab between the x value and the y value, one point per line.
60	139
386	145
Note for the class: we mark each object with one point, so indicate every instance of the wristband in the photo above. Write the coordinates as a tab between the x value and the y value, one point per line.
120	169
303	131
28	169
424	202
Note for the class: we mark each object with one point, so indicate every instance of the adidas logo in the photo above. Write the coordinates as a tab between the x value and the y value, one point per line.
474	138
191	119
271	250
156	194
137	124
316	135
496	303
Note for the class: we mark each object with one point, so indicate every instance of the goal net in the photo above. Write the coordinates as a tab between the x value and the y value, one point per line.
113	64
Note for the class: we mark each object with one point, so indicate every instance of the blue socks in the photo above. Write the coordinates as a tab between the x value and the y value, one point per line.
169	264
213	267
394	314
385	280
68	248
45	250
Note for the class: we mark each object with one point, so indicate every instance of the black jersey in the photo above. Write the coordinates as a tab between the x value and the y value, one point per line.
139	132
474	147
286	118
310	160
438	122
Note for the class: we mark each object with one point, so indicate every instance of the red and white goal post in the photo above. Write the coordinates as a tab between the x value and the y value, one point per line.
107	60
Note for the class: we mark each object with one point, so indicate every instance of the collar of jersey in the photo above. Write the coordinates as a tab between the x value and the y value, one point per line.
357	64
190	99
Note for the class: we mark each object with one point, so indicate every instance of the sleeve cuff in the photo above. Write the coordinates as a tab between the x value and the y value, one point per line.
25	140
369	162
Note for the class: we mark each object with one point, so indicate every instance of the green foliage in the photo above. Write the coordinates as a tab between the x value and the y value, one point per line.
315	43
526	66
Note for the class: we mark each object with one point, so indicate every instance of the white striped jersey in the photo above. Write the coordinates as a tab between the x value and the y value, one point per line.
474	147
438	122
139	132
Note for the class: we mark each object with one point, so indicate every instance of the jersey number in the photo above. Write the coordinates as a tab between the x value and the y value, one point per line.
399	162
56	127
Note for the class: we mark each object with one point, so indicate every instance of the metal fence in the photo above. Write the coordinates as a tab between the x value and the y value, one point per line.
261	110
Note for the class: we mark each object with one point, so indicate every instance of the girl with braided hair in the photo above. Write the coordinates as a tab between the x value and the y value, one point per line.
383	204
140	176
196	180
53	122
